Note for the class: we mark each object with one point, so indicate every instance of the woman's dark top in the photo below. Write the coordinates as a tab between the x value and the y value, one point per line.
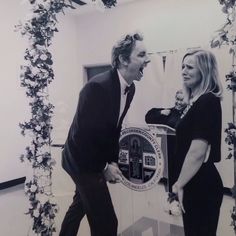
202	121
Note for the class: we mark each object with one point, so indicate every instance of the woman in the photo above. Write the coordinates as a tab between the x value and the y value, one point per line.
197	182
167	116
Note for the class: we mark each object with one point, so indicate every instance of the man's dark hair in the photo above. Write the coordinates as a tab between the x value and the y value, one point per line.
124	47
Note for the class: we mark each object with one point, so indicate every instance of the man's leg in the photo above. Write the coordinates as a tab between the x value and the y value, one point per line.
74	215
97	204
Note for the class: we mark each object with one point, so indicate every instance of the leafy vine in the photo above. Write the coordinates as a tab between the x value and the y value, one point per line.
226	35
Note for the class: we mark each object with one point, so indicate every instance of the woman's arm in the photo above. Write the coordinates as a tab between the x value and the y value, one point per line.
154	116
193	161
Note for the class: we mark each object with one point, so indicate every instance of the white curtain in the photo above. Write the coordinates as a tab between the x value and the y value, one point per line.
158	86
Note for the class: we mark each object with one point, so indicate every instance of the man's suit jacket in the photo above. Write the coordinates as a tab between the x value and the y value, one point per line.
93	138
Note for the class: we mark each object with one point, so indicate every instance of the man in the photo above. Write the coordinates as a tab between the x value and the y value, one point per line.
91	151
167	116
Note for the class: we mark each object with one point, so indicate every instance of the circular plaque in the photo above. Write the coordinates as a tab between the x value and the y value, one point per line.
140	159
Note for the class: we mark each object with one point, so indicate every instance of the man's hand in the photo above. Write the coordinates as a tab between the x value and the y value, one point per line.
112	173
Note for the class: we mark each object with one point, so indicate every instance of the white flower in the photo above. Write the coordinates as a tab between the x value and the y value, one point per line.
43	57
35	70
172	208
175	208
47	222
46	74
39	159
40	140
32	83
35	58
40	47
33	188
38	128
47	5
39	93
33	52
36	213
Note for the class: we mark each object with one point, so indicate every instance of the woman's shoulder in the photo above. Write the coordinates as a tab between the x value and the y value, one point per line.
208	103
208	98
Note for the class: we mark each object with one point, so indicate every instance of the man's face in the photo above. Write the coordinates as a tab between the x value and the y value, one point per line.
137	61
179	101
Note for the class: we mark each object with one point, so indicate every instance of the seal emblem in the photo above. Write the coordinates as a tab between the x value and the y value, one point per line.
140	159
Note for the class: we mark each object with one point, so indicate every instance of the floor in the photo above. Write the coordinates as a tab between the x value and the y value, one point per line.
139	213
14	222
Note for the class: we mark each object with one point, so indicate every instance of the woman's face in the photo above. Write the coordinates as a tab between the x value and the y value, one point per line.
190	73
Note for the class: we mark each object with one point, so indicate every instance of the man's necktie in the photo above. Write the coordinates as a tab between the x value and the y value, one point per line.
127	89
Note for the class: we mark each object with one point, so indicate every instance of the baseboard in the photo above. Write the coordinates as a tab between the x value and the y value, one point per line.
12	183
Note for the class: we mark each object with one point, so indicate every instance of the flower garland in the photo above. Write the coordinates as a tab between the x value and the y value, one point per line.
227	36
36	75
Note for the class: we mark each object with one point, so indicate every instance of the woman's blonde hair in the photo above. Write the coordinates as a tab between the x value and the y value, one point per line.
207	65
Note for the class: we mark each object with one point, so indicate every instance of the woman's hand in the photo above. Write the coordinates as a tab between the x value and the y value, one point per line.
166	112
180	193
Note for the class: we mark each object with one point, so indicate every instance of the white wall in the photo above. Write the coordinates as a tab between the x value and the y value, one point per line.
64	90
166	24
14	104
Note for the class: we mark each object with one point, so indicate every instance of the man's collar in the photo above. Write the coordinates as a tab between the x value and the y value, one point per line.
123	83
